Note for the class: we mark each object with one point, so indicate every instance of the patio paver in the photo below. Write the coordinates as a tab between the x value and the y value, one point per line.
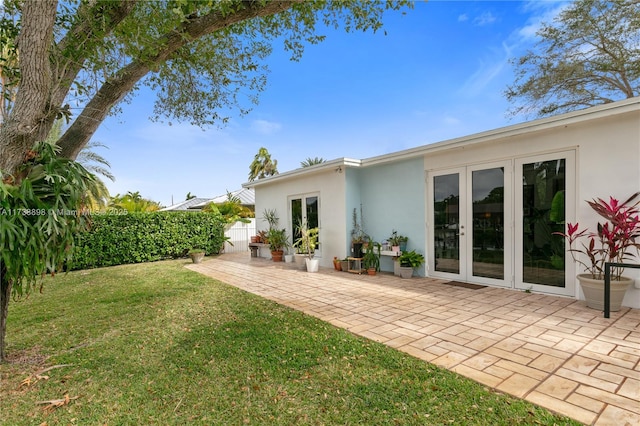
552	351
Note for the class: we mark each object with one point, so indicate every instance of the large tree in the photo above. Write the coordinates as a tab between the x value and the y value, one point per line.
200	56
79	59
589	55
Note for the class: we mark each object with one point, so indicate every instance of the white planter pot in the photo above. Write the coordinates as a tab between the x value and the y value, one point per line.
300	261
312	264
288	258
594	291
405	271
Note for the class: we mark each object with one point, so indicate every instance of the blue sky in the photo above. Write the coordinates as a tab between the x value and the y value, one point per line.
438	73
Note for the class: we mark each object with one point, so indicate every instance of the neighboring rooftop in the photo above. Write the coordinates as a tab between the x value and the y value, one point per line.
247	197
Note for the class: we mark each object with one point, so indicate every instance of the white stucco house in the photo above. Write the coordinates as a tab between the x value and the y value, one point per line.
481	208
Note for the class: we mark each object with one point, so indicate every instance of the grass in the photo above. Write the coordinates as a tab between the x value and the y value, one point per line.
157	344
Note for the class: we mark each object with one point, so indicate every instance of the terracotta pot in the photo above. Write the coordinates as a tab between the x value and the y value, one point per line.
594	291
371	271
255	239
336	264
277	255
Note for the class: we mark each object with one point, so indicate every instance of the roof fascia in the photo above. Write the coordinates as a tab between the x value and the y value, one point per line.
601	111
305	171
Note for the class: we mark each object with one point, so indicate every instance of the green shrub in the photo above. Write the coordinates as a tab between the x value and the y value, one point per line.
145	237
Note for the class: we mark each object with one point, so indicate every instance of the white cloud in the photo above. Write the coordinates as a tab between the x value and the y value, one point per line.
462	18
485	19
542	12
451	121
265	127
487	72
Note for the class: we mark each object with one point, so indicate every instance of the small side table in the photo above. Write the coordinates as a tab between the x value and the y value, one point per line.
355	265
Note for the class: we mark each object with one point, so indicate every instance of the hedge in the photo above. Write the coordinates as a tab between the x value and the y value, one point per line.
145	237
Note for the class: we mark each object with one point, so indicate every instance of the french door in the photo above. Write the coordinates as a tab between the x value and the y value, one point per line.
305	209
470	217
494	223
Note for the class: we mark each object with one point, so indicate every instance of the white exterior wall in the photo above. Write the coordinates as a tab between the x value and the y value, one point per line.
607	164
329	185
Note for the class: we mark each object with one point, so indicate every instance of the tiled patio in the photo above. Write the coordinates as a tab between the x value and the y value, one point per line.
552	351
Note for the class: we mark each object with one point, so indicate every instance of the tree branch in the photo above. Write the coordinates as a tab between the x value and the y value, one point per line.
114	90
83	32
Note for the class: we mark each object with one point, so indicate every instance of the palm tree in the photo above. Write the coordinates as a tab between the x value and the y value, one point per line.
312	161
94	163
262	165
133	202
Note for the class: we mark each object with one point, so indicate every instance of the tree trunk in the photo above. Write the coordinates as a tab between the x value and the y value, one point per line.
5	295
19	133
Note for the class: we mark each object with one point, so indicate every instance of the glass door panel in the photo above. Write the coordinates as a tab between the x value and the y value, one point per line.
543	189
446	221
296	217
488	223
545	202
312	216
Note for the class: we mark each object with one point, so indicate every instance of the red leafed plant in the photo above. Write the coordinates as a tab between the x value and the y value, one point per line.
617	240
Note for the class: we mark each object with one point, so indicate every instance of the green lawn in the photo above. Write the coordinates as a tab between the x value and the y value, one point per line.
158	344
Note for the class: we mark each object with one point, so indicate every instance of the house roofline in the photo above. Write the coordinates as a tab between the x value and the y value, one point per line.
569	118
597	112
330	165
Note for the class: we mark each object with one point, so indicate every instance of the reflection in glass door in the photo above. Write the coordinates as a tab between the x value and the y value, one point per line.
488	222
305	210
545	202
446	220
543	189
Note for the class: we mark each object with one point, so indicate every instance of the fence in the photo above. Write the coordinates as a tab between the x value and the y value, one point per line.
240	235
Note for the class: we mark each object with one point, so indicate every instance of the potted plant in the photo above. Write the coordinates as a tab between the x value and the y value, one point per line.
371	258
196	255
616	240
398	242
409	260
402	241
277	243
288	257
344	264
306	246
276	238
